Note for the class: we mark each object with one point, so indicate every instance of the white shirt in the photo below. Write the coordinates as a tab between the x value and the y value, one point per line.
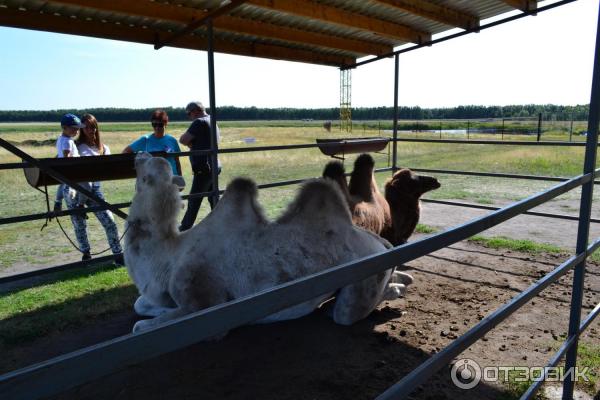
85	150
66	143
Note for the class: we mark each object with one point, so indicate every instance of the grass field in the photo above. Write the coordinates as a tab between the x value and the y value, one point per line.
26	244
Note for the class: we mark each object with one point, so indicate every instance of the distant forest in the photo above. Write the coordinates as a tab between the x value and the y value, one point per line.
230	113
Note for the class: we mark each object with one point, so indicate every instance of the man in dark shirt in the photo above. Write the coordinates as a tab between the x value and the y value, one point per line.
197	137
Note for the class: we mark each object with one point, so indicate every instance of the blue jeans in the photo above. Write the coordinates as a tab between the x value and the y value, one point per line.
80	223
202	182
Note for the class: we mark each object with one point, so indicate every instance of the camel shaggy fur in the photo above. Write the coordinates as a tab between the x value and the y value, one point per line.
393	217
235	251
368	207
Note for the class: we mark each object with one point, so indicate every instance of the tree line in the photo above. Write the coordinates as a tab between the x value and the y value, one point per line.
231	113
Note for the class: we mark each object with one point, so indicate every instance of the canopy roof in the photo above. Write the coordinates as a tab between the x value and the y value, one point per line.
329	32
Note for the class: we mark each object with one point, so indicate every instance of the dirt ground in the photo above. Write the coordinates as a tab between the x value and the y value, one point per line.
558	232
312	358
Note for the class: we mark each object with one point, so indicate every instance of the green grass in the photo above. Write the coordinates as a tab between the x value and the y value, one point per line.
76	297
514	390
588	355
522	245
425	229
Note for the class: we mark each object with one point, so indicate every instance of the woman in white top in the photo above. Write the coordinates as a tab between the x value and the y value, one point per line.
89	144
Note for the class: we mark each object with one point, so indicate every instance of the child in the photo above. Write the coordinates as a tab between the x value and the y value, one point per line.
65	147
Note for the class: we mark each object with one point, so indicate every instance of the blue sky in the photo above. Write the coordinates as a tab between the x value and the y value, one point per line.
542	59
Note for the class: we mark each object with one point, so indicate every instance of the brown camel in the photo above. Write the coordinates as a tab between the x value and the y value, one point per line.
369	208
393	217
403	192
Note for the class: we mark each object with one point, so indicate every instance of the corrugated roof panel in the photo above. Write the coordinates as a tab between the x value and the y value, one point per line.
304	23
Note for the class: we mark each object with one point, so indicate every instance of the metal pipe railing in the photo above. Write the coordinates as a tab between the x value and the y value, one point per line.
69	370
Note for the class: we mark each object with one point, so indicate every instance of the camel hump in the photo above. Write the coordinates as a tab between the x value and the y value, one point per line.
364	161
334	170
239	203
242	186
319	201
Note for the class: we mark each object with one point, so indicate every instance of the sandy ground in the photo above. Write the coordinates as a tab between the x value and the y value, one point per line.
312	358
558	232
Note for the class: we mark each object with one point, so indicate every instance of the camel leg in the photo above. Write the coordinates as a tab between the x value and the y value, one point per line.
296	311
146	308
355	302
175	313
401	277
146	324
394	291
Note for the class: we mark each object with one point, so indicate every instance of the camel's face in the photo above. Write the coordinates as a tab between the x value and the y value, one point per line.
405	182
154	172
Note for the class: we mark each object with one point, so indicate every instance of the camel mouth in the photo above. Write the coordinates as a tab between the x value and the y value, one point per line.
429	183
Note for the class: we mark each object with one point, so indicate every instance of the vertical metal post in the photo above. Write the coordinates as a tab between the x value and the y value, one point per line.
440	128
502	135
584	218
571	129
395	128
468	129
213	113
539	130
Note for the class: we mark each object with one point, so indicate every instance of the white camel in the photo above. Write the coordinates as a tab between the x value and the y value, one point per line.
235	251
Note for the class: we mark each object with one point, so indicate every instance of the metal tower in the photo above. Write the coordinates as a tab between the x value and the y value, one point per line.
346	100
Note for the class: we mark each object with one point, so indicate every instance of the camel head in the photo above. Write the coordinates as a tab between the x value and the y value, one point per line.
403	192
406	183
156	191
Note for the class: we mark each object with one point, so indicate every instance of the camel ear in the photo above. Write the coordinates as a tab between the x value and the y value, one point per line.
141	158
179	181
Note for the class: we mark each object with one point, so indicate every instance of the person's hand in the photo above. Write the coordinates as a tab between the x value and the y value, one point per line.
80	207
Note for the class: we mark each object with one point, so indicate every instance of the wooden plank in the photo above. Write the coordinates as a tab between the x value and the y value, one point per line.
187	15
524	5
261	29
62	24
435	12
314	10
192	26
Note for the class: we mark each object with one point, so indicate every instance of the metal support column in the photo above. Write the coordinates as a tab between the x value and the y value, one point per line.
213	113
395	134
584	219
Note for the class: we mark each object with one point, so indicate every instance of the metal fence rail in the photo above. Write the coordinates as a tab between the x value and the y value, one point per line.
69	370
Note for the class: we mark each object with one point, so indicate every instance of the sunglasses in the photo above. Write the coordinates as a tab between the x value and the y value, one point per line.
158	124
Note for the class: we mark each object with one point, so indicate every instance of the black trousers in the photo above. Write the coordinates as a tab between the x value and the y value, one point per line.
202	182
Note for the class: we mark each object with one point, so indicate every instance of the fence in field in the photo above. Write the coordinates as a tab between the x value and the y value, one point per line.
539	127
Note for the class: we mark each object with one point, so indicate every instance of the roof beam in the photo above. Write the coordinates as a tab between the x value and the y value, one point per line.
435	12
186	15
199	22
267	30
523	5
63	24
314	10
